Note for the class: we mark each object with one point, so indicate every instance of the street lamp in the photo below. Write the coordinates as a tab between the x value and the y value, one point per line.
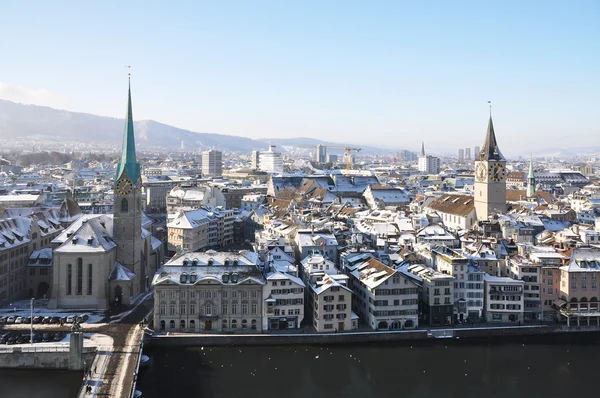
31	331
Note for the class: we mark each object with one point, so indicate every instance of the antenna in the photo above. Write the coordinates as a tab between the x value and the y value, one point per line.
129	69
490	102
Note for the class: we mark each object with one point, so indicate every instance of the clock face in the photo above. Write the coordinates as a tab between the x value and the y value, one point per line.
497	172
480	172
124	186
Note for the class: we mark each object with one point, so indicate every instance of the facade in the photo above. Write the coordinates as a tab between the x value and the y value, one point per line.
210	291
490	178
325	243
320	155
384	298
212	163
531	275
255	160
437	294
283	304
456	211
271	161
428	164
197	230
504	299
330	300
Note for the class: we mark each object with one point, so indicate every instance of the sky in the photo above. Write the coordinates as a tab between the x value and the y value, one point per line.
381	73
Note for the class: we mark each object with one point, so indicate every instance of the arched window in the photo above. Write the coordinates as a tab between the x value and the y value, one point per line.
244	324
193	324
234	324
124	205
172	324
182	325
253	327
162	325
224	324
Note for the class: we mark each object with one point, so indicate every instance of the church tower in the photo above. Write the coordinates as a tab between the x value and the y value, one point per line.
490	178
530	181
127	220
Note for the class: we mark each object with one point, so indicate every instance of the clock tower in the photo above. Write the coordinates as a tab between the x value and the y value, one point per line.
127	220
490	178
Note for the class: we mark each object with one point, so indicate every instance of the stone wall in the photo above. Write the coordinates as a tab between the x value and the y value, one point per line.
19	358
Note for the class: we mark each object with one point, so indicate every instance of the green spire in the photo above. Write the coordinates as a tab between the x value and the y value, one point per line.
530	180
128	163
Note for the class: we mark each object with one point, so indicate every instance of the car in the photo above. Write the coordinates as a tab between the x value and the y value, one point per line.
24	339
55	319
37	319
13	339
2	319
46	320
19	319
5	337
27	319
70	319
37	337
83	318
64	319
10	320
48	337
59	336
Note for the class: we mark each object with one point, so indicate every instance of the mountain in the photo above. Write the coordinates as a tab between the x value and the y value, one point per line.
49	126
289	142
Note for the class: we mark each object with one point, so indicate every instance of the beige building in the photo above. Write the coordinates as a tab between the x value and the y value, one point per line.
283	306
197	230
579	292
210	291
331	303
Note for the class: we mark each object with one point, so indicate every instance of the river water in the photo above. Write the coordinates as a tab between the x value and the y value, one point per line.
549	366
22	383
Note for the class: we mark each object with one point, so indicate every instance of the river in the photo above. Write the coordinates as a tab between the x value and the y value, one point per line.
39	383
547	366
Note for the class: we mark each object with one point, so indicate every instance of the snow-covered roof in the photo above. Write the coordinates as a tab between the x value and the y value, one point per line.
119	272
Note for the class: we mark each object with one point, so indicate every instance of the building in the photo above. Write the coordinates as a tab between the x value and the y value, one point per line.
461	155
308	242
101	260
579	292
330	300
320	155
384	298
255	160
455	211
271	161
200	229
468	282
476	151
212	163
490	178
331	158
468	153
531	181
428	164
437	294
210	291
380	197
503	300
530	273
283	304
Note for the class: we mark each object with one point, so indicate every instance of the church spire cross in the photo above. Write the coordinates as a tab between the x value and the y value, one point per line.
490	150
128	163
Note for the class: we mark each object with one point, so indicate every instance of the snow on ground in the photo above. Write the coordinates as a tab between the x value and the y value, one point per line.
89	340
136	301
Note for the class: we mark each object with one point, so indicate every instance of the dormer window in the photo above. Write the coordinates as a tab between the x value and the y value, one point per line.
234	277
183	278
210	261
194	262
225	278
193	277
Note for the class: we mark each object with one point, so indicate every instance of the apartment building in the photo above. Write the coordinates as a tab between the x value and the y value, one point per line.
530	273
436	294
384	298
504	299
283	306
550	263
200	229
331	303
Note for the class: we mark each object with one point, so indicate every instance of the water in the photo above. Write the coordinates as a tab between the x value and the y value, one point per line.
556	366
38	383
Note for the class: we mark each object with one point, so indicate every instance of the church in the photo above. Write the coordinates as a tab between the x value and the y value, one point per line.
106	259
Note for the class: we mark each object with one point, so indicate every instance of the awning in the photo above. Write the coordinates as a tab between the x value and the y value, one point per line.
559	302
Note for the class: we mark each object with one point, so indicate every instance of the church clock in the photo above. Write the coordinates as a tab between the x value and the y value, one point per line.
124	186
497	171
481	172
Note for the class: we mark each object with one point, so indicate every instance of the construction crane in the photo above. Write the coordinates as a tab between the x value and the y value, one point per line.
347	151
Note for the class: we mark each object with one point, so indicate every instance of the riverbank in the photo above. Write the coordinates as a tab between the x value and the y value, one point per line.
361	337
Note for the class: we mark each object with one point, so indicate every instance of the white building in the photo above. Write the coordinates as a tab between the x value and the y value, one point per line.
283	304
212	163
271	161
200	229
504	299
331	303
428	164
384	298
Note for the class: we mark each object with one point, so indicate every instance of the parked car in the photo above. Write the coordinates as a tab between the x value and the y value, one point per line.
55	319
70	318
83	318
10	320
24	339
38	337
4	337
27	319
37	319
48	337
46	320
13	338
2	319
59	336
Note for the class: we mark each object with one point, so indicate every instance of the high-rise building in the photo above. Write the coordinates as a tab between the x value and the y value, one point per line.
476	151
271	161
468	153
332	158
212	163
255	159
320	154
428	164
490	178
461	155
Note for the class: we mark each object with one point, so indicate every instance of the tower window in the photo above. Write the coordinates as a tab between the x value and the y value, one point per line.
124	205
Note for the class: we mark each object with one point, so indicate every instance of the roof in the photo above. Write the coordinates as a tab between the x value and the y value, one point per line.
371	273
490	150
515	195
93	235
458	205
278	276
119	272
583	260
128	164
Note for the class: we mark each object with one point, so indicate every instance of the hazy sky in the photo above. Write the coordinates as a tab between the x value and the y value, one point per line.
373	72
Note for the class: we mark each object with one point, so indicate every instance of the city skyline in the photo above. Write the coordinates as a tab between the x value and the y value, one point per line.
386	75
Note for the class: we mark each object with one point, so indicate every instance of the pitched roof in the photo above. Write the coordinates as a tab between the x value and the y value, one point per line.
490	150
458	205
